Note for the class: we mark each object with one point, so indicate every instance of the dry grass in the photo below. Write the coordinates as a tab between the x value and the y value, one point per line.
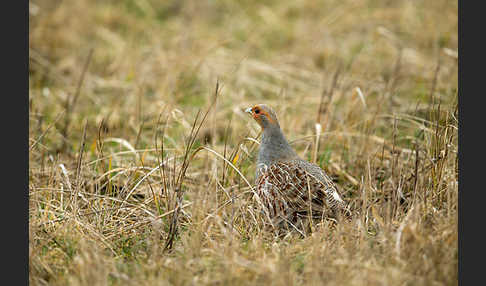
141	159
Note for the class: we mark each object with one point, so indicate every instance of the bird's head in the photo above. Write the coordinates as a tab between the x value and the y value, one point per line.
264	116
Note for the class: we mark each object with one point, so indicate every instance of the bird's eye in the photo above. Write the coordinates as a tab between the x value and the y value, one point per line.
257	110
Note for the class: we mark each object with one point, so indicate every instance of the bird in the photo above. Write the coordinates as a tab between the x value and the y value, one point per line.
292	191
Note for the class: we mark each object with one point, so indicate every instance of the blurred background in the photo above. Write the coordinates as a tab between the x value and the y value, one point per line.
148	54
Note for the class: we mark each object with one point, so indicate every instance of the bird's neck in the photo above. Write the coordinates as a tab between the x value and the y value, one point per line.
274	147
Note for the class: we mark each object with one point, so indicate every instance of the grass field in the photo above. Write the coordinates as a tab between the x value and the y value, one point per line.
141	158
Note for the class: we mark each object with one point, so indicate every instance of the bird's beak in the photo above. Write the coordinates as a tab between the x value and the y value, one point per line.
248	110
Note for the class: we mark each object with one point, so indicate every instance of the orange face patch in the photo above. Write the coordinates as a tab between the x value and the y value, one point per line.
257	112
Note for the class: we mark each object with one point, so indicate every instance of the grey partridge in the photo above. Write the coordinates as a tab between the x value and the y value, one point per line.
291	190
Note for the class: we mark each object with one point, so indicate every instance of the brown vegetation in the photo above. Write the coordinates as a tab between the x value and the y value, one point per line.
141	158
